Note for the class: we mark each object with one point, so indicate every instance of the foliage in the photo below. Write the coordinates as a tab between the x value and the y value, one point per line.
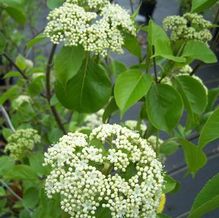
52	89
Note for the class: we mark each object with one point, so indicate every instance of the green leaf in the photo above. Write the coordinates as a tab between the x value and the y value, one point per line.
130	87
201	5
161	42
196	50
88	91
164	107
36	160
2	43
12	74
169	147
31	197
195	158
24	214
193	92
171	185
49	208
132	45
67	63
17	14
210	131
103	212
117	67
2	192
40	37
9	94
52	4
212	98
109	110
207	199
6	163
162	216
21	62
21	172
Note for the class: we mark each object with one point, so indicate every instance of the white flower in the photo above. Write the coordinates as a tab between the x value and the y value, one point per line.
190	26
113	168
99	30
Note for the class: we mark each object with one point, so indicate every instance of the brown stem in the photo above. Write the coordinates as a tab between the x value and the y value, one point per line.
48	90
15	66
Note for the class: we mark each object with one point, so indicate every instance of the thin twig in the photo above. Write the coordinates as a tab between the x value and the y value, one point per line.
154	63
183	215
196	68
15	66
14	194
7	118
48	90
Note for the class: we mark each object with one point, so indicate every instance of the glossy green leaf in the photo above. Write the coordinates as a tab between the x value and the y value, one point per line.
195	158
117	67
164	107
130	87
210	130
207	199
193	92
171	184
67	63
88	91
201	5
161	42
196	50
132	45
169	147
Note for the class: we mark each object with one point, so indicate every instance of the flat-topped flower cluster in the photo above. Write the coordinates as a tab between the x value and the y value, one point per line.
21	142
112	170
190	26
96	25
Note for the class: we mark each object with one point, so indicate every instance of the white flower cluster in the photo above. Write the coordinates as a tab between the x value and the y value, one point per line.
21	142
94	120
91	4
133	125
190	26
112	169
98	32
